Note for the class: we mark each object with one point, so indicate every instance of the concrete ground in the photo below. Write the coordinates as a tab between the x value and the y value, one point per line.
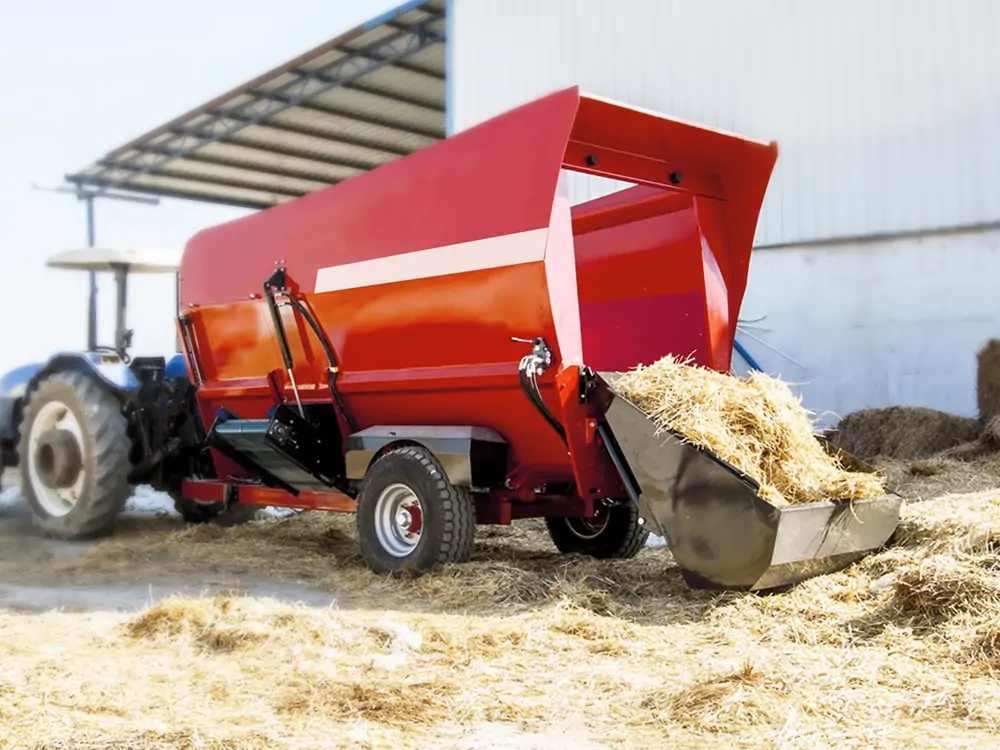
40	574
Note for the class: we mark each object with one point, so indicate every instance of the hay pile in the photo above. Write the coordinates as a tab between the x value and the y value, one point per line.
988	382
902	432
755	423
911	432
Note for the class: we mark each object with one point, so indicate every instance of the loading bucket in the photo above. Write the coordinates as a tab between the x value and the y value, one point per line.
722	533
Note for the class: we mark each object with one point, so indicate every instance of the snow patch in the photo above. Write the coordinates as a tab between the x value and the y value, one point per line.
269	512
148	502
9	497
656	542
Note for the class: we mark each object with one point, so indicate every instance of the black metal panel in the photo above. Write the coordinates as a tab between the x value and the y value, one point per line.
301	443
246	440
470	456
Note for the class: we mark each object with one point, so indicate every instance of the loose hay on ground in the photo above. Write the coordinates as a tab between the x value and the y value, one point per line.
756	423
521	639
941	587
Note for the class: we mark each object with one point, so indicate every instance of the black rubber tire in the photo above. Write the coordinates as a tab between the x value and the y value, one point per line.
449	513
622	538
106	447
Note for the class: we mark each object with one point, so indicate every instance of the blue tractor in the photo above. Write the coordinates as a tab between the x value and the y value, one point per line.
80	430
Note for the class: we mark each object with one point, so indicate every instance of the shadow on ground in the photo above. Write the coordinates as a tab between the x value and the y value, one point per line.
313	558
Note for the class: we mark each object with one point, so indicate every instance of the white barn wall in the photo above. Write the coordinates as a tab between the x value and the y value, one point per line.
886	113
879	322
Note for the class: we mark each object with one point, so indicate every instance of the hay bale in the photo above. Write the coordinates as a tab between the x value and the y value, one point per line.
902	432
755	423
988	381
991	432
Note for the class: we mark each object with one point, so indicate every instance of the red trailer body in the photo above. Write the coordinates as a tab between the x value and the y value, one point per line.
451	326
421	272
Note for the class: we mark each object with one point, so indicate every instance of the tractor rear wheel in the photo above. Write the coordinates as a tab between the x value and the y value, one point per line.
410	517
614	532
74	457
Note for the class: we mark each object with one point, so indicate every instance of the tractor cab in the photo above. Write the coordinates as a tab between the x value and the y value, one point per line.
121	262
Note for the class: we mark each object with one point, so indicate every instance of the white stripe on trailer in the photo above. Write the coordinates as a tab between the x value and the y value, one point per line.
464	257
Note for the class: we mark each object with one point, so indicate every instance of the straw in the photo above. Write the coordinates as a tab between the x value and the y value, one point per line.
756	423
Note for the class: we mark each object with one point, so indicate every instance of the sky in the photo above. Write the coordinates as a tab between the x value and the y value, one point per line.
84	78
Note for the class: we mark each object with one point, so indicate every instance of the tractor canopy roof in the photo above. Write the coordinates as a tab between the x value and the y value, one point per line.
132	260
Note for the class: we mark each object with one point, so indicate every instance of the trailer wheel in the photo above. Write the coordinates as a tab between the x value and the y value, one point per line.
614	532
410	517
74	457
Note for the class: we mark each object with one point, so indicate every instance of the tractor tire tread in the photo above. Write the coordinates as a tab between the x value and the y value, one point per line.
106	431
622	539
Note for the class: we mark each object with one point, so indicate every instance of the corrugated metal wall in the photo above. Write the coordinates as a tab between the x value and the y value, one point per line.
887	112
875	323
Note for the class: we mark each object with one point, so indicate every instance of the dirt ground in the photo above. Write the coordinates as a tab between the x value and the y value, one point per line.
275	635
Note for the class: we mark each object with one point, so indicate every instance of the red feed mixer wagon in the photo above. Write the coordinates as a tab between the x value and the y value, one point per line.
433	345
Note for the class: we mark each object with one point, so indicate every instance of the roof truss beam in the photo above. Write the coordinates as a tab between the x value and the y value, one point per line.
382	148
269	148
366	88
296	173
360	119
297	153
105	184
418	70
218	181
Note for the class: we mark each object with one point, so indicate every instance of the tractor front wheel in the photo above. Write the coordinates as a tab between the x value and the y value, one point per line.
74	457
613	532
410	517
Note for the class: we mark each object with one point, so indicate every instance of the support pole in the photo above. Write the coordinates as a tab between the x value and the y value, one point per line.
177	310
87	195
121	306
92	304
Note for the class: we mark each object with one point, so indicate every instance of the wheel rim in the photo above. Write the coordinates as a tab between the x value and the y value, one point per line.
399	520
589	528
56	501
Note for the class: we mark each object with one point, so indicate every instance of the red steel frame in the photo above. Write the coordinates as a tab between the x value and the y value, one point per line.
422	271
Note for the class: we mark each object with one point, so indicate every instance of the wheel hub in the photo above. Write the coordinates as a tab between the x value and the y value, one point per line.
398	520
58	461
589	528
54	459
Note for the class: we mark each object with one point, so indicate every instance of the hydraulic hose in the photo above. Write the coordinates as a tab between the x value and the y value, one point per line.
526	375
330	355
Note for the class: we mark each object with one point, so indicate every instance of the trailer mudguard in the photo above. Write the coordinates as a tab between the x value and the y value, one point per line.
474	457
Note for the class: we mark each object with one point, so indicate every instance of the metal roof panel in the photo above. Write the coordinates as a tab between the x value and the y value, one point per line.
360	100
